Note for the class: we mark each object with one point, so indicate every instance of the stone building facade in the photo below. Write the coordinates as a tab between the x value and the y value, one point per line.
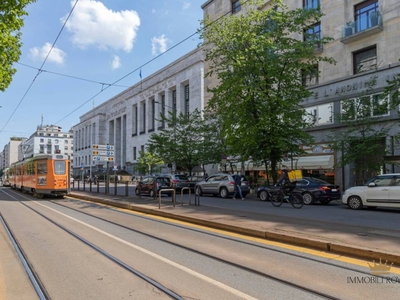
366	43
127	120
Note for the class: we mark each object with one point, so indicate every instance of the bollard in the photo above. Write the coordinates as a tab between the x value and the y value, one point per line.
126	188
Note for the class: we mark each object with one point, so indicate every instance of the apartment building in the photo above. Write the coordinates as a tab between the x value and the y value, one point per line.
47	139
127	120
365	43
10	152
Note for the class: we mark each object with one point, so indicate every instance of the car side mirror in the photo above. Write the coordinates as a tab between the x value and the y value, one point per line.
372	184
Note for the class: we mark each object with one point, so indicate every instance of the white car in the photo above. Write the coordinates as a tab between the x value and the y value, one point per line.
381	191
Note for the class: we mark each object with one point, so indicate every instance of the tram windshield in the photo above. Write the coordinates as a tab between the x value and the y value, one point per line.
59	167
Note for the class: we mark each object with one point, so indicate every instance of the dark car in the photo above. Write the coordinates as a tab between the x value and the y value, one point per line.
180	181
312	189
153	184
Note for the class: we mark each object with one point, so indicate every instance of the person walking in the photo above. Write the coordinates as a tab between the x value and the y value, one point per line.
238	189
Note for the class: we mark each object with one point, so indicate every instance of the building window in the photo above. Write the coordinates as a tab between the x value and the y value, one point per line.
320	115
174	104
310	77
143	121
236	6
41	150
187	111
313	34
65	147
365	107
134	153
364	60
311	4
42	140
363	13
153	115
66	141
134	119
142	148
48	149
163	110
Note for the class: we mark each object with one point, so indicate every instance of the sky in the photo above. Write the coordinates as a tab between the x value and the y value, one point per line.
96	43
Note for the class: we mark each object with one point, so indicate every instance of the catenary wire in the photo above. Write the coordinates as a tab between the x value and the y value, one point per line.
40	69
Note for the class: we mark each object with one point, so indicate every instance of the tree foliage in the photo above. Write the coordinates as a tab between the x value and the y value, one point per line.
258	59
361	138
11	22
147	162
189	141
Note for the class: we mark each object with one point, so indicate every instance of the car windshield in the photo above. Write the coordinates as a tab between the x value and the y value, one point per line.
319	181
163	180
380	180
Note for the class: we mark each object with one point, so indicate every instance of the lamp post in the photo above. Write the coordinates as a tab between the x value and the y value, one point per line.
163	105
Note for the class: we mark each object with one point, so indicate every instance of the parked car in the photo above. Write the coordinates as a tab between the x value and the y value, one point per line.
197	178
221	184
179	181
147	185
380	191
312	190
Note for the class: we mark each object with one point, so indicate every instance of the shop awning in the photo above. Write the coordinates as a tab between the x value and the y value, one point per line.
315	162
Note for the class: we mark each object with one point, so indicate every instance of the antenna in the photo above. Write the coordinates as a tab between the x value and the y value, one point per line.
41	124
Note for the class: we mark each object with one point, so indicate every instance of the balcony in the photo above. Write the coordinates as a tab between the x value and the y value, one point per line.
361	28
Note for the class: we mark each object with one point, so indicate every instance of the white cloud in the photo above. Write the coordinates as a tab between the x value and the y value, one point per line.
56	54
159	44
116	63
185	5
92	23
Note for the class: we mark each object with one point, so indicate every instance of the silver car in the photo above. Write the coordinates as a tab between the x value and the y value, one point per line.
221	184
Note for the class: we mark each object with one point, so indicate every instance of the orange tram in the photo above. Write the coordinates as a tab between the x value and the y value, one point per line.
41	175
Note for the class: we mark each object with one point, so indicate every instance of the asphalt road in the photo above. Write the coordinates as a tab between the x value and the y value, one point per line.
193	261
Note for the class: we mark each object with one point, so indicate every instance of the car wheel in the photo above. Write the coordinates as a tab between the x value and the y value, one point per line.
324	201
198	191
137	192
308	198
354	202
264	196
224	192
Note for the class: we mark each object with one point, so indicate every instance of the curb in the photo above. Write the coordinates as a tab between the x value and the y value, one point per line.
334	248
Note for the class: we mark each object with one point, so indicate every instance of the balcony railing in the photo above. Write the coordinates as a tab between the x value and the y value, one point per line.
364	24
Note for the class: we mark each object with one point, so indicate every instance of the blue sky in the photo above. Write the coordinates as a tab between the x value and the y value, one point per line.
102	41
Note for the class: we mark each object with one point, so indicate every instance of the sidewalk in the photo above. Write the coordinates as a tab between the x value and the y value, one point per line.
366	243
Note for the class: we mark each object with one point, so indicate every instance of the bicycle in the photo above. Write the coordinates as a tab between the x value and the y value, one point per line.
285	193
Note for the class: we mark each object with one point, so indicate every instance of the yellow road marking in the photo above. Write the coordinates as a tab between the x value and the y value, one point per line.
323	254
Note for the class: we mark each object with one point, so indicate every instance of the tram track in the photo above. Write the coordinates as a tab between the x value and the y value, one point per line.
34	277
310	291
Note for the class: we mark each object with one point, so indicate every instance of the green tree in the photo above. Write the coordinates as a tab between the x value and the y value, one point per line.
361	138
148	161
189	141
259	62
11	22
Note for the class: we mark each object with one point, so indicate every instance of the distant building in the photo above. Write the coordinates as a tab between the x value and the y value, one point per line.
48	139
10	152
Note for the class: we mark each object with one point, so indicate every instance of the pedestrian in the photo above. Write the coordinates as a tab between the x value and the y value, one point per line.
284	180
95	179
238	189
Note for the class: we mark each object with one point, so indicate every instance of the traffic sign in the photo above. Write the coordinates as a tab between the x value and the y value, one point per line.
103	158
103	147
106	153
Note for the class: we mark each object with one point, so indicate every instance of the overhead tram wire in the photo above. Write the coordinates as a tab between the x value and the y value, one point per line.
40	69
140	67
70	76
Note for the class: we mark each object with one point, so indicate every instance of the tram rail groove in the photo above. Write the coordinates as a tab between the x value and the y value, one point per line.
33	276
259	273
159	286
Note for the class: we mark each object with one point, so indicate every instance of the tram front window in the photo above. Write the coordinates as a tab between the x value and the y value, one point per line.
59	167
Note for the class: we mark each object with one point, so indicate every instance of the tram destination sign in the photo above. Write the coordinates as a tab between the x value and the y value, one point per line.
103	147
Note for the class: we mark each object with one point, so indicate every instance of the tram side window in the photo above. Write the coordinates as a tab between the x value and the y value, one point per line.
59	167
42	167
